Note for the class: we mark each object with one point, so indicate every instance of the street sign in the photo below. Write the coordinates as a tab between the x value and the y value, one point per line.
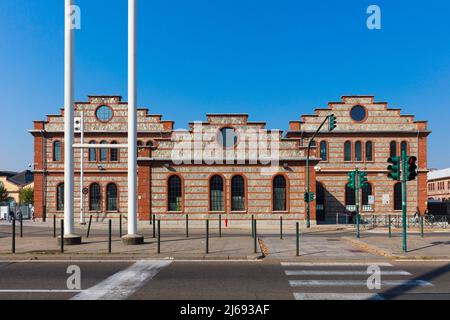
85	191
386	199
371	200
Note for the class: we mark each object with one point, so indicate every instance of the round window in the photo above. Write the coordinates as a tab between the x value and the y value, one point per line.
227	137
358	113
104	113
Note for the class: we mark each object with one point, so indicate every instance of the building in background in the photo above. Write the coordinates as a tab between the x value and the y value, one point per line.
368	134
439	185
15	182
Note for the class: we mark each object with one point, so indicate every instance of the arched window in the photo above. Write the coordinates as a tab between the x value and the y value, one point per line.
324	150
57	151
348	151
404	147
111	197
139	145
350	200
92	153
358	151
279	194
175	194
103	153
114	153
94	197
393	149
60	197
369	151
366	192
238	194
216	198
398	196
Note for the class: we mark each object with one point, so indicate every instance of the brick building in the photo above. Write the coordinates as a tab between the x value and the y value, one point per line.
228	164
439	185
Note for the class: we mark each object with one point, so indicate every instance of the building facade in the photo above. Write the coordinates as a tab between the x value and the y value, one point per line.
228	164
15	182
439	185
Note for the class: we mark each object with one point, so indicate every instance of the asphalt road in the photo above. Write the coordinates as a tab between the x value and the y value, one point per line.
223	280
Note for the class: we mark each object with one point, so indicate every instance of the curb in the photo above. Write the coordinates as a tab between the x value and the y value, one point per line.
371	248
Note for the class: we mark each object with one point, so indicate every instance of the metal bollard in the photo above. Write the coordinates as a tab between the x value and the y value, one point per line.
13	235
110	237
62	236
255	236
54	226
298	239
421	227
159	236
120	226
207	236
154	227
253	226
281	227
220	226
21	226
89	227
187	226
390	226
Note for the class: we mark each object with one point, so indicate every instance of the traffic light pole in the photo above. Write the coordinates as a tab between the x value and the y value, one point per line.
308	207
357	202
404	208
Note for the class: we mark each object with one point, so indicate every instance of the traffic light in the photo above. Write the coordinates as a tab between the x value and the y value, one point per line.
394	168
351	179
312	197
306	197
333	122
411	168
363	181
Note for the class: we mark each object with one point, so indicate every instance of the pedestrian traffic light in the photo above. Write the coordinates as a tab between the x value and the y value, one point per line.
411	168
333	122
351	179
394	168
363	181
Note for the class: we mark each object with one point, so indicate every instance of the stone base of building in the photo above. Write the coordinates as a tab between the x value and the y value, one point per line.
133	240
71	240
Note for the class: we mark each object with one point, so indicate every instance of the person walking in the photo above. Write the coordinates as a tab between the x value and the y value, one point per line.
10	216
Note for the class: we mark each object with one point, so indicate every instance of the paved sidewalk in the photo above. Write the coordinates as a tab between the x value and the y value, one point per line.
432	246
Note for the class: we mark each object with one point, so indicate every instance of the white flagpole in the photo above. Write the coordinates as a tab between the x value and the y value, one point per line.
132	237
69	229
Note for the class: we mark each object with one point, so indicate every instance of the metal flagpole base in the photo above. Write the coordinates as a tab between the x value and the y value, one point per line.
133	240
71	240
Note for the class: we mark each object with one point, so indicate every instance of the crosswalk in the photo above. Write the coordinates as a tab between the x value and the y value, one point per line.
346	280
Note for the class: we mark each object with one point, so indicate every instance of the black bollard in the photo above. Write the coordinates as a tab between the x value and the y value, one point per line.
281	228
253	226
421	227
154	227
220	226
390	227
120	226
298	239
54	226
13	235
187	226
159	236
255	238
62	236
207	236
89	227
21	226
110	237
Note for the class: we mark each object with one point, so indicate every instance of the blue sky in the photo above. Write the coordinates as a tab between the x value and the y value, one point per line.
272	59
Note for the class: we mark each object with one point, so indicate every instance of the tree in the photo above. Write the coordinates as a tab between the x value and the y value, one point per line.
4	195
27	196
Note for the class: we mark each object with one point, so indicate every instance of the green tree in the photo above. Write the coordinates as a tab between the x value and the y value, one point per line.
27	196
4	195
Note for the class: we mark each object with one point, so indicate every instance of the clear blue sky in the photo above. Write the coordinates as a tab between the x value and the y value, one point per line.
272	59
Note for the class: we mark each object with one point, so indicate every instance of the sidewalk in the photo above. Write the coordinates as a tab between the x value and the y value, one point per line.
432	246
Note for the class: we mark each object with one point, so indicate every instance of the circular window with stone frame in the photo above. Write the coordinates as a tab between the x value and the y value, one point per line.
358	113
227	137
104	114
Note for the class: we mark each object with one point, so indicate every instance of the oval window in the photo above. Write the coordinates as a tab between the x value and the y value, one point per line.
104	113
358	113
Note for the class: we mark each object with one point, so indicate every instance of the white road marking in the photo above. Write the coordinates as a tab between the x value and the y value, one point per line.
337	296
124	283
346	283
335	264
341	273
423	260
39	291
